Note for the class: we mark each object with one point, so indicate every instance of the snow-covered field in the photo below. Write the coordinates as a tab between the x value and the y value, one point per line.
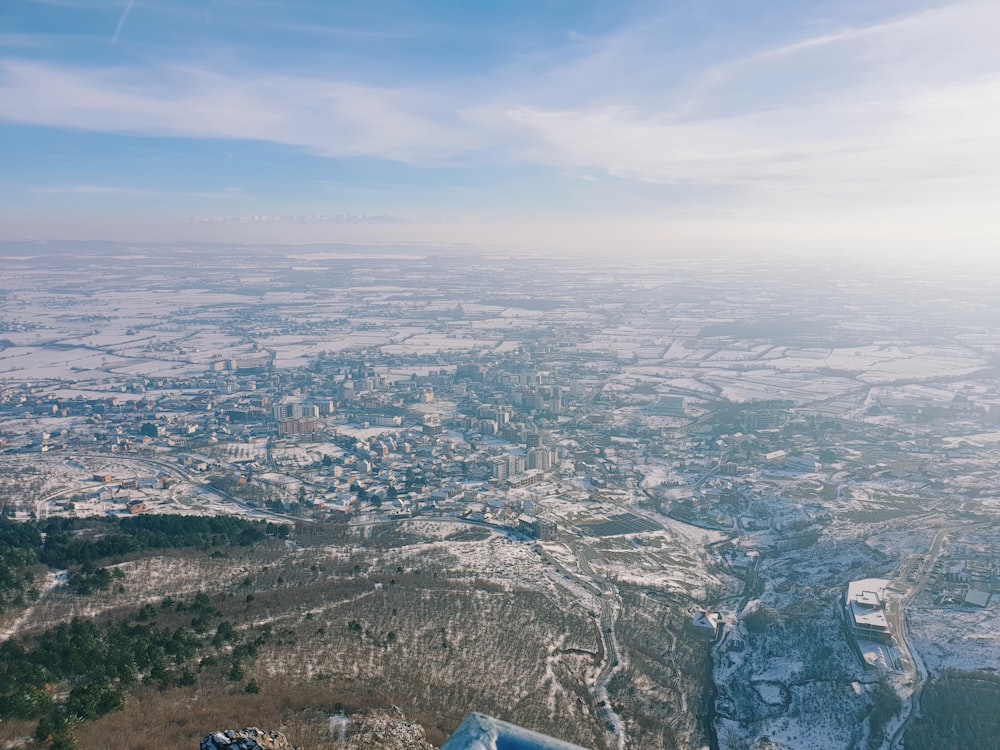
959	638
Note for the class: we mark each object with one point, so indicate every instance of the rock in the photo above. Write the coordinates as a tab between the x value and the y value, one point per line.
246	739
381	731
377	730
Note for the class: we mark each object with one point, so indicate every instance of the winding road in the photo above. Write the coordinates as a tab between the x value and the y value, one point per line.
916	670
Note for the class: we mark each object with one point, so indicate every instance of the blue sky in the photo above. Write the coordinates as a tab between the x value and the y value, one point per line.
572	124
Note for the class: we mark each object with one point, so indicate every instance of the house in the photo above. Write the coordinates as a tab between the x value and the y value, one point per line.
706	624
103	495
164	481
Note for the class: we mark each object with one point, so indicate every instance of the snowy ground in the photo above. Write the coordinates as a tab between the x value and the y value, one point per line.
960	638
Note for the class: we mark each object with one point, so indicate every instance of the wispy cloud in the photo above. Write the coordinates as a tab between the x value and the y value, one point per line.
330	117
889	112
121	23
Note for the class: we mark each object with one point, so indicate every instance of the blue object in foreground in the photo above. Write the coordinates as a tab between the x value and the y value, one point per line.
481	732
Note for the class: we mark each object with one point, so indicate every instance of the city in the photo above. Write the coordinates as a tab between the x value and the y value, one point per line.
699	455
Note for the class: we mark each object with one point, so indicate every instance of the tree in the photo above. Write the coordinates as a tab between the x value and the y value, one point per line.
90	700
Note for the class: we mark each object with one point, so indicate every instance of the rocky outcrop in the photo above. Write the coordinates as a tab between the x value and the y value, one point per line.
377	730
246	739
381	731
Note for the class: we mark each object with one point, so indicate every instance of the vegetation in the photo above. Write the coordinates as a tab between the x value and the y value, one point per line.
885	705
957	709
19	543
655	716
66	546
452	625
90	578
71	542
80	671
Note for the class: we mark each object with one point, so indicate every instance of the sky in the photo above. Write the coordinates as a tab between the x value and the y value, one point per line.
852	127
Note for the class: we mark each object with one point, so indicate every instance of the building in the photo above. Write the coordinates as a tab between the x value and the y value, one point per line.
865	606
706	624
150	429
291	410
762	420
432	426
977	598
668	406
539	458
539	528
800	463
498	468
298	426
525	478
506	466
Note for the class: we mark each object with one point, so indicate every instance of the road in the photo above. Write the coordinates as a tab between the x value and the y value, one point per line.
610	601
608	594
916	670
182	473
607	714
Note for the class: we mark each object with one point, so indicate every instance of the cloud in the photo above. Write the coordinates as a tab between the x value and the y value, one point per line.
887	123
890	113
330	117
121	22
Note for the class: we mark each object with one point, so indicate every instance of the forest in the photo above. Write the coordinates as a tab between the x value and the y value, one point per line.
80	670
64	543
957	709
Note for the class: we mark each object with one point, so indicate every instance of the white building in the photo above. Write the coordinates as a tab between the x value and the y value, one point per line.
865	607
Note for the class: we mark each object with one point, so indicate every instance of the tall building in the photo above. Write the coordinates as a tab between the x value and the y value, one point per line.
432	426
294	410
539	458
498	468
298	426
762	420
